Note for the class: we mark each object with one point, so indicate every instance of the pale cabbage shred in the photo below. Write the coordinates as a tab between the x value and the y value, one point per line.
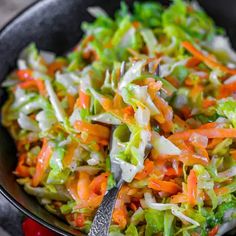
49	110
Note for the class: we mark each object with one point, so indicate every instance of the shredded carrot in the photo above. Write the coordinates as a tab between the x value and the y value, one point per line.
133	206
226	90
107	103
69	154
129	111
210	133
178	198
192	187
167	112
22	170
99	184
221	191
87	40
153	86
186	111
79	220
25	75
213	64
213	231
233	153
170	171
118	101
71	103
173	81
56	66
42	163
90	139
211	125
208	103
214	142
120	217
180	122
136	24
83	101
82	185
187	157
196	90
93	129
159	118
38	84
164	186
148	168
71	186
193	62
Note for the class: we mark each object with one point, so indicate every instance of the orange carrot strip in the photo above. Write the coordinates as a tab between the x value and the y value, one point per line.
148	168
221	190
159	118
71	103
117	101
69	154
164	108
233	153
172	172
24	75
107	103
193	62
92	138
180	122
173	81
83	186
79	220
42	163
136	24
153	86
99	184
178	198
188	158
129	111
214	142
186	111
38	84
211	125
210	133
84	100
167	112
196	90
213	231
71	187
208	103
28	84
165	186
120	216
21	169
192	187
56	66
93	129
226	90
207	59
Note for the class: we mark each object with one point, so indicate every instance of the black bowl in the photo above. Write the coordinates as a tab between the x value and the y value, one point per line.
55	25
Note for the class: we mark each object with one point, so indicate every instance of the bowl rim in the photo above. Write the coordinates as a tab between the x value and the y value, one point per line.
3	191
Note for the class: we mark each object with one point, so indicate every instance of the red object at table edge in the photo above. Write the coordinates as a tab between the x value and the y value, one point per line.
32	228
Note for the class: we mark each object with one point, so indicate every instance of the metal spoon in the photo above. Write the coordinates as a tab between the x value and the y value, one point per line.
102	219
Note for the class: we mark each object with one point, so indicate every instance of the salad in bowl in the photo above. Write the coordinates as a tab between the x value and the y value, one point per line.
164	76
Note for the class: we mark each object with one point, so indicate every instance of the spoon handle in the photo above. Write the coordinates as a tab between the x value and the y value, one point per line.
102	219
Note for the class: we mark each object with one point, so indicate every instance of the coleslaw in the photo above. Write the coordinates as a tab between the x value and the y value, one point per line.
164	76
